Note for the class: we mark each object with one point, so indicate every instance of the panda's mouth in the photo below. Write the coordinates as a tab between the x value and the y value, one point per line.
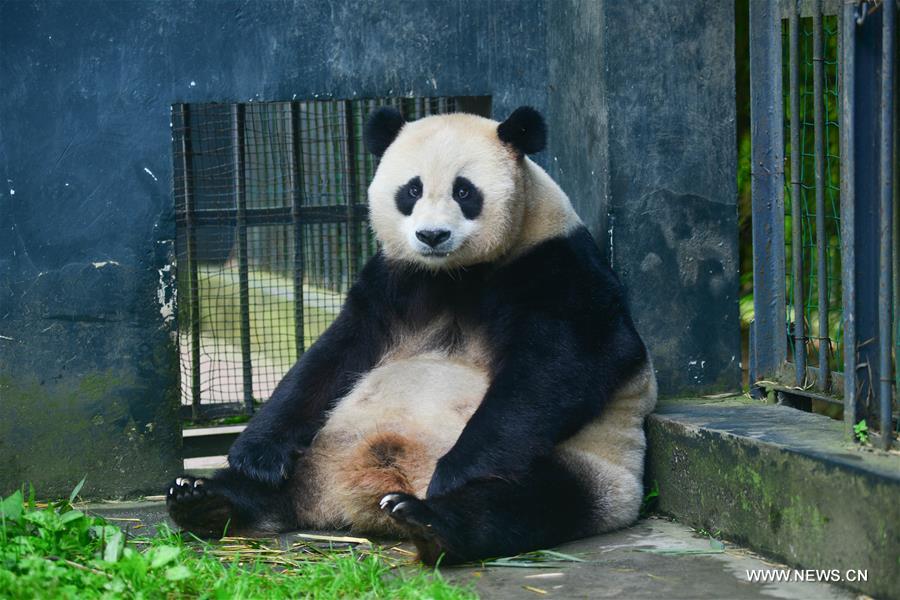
434	254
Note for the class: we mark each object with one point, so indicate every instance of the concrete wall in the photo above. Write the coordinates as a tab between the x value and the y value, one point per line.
88	368
642	114
88	378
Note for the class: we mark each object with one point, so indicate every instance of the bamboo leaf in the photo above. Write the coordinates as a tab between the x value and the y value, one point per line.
77	489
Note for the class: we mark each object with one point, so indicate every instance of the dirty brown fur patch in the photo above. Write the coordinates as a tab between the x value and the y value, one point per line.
384	463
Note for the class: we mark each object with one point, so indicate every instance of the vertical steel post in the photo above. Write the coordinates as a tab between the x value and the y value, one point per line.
767	187
885	222
860	89
352	191
193	270
796	209
238	114
296	202
848	211
821	233
896	246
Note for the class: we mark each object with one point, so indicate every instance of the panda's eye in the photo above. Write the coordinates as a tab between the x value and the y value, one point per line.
468	196
407	195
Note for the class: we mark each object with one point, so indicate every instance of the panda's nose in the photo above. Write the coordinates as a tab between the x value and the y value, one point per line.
433	237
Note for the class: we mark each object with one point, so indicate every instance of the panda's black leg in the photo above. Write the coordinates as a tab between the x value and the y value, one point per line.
492	518
228	502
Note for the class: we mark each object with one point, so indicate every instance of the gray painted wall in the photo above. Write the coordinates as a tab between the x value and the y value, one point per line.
88	369
643	96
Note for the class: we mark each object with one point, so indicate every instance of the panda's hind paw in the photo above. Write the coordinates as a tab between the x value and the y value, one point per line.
406	509
419	521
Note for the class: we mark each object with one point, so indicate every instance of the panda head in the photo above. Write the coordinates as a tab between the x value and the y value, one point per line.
447	192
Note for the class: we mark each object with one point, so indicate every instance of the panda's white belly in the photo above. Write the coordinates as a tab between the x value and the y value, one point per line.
429	396
388	433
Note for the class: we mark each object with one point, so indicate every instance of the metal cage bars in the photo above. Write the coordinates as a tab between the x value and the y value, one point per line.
290	169
867	58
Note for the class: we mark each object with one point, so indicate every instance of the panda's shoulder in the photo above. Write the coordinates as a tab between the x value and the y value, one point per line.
385	283
568	264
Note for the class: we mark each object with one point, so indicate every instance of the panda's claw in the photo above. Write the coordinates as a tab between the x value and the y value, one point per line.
407	510
185	489
389	501
400	509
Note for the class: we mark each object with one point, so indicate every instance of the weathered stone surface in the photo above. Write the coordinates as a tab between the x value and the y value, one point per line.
780	481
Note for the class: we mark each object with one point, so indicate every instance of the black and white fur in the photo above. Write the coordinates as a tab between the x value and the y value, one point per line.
483	389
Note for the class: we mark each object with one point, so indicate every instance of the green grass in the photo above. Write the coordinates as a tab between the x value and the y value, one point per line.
57	551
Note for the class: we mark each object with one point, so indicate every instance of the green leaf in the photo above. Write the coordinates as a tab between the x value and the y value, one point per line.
113	547
11	506
716	545
103	532
561	556
177	573
45	519
163	555
77	489
72	515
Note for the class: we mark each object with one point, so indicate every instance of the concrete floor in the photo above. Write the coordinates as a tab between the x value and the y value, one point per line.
655	558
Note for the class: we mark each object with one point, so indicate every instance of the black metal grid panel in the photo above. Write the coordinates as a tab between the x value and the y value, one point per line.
812	197
270	204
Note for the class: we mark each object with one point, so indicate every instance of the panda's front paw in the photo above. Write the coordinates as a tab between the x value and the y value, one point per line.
268	461
197	505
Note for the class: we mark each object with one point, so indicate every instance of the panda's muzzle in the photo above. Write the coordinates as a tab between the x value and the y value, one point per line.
433	237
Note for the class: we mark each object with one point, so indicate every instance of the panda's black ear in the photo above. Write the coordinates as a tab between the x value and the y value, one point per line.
524	130
381	129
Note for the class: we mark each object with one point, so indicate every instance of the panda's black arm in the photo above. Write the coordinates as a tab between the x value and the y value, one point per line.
565	343
547	388
295	412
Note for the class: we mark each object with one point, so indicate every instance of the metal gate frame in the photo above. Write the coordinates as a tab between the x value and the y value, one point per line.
867	53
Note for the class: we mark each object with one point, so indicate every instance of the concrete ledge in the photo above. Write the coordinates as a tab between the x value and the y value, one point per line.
781	481
209	441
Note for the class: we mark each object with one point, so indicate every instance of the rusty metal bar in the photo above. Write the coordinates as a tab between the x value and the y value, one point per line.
848	213
796	209
193	271
240	196
277	215
297	221
821	233
767	187
885	223
352	190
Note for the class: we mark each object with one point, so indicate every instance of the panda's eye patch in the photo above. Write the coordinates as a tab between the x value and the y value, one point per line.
468	197
407	195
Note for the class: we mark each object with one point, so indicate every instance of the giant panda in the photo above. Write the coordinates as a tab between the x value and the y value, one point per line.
482	391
